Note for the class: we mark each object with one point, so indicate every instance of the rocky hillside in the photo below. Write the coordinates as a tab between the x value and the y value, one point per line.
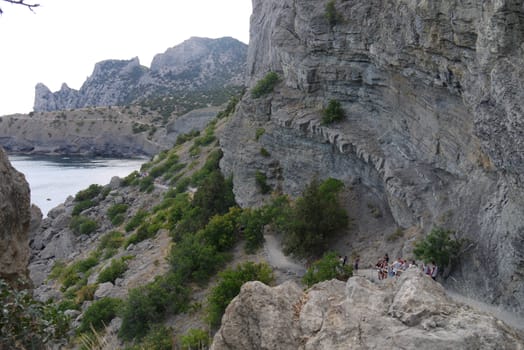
200	66
100	131
412	312
431	133
15	218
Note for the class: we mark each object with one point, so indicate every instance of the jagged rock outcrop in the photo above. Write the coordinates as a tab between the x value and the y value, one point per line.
198	64
15	218
433	127
412	312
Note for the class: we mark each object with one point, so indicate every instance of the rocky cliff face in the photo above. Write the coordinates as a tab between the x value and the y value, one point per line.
15	217
198	64
102	131
433	127
411	313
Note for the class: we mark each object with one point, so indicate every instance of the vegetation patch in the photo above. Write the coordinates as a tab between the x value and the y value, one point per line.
115	270
26	323
266	85
440	246
99	314
229	285
327	268
332	113
314	218
116	212
82	225
261	182
195	339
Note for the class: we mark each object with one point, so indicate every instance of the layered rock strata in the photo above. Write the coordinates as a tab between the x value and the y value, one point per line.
433	127
413	312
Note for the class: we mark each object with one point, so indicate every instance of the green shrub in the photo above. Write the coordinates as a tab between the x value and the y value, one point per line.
253	222
332	113
99	314
118	220
147	184
130	179
86	264
86	292
259	132
193	260
150	304
115	270
136	220
83	205
26	323
89	193
222	231
214	195
261	182
264	152
229	285
440	246
186	137
327	268
158	338
195	339
67	304
230	108
315	218
265	85
82	225
113	239
115	211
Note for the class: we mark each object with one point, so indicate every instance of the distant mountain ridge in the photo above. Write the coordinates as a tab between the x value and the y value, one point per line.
197	64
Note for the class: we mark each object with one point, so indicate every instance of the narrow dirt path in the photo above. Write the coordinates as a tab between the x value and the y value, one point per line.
276	258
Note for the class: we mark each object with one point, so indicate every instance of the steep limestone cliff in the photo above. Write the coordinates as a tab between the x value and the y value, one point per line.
15	217
198	64
433	129
411	313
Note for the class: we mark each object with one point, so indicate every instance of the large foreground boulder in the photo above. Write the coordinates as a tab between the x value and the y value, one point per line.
412	312
15	218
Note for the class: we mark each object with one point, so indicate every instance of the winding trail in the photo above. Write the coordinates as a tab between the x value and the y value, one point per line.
276	258
288	268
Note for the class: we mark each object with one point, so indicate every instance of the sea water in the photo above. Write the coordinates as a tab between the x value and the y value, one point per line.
53	178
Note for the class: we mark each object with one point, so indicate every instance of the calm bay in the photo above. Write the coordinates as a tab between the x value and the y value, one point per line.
53	178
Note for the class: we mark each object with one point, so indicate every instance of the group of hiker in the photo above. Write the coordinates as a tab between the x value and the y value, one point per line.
385	269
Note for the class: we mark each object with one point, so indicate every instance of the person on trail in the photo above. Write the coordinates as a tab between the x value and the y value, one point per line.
355	265
434	271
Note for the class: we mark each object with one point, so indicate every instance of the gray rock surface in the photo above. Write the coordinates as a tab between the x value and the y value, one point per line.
197	64
412	312
101	131
15	219
432	133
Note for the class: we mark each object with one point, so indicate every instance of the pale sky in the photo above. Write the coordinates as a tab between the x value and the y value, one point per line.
63	39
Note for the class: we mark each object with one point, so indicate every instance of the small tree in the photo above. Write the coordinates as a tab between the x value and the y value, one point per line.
332	113
315	218
440	246
265	85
